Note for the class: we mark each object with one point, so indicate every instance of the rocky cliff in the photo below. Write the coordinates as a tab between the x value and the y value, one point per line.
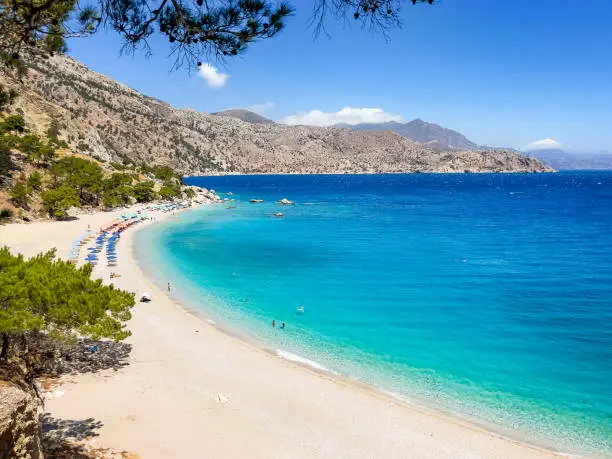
101	117
19	428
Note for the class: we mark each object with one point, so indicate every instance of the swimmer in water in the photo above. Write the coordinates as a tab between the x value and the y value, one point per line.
283	326
273	323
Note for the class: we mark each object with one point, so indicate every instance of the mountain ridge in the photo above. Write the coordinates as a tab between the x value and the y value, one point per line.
244	115
102	118
430	134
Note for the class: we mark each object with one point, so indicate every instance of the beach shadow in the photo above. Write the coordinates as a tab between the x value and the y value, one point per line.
63	438
89	356
53	359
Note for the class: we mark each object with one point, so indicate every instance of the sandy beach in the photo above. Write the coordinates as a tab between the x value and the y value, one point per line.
193	391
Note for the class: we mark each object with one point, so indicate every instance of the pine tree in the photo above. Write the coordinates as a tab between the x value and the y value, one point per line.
196	29
83	175
20	194
51	295
57	201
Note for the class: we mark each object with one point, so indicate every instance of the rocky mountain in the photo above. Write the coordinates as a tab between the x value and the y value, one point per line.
432	135
245	115
563	160
105	119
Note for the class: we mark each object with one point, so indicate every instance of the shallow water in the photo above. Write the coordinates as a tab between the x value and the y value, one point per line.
486	295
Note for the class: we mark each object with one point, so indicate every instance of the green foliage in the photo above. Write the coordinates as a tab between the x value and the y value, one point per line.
144	191
163	173
58	200
35	149
168	193
193	28
20	194
117	190
80	174
6	213
35	181
13	123
53	133
7	97
34	26
43	293
6	163
118	166
117	180
190	193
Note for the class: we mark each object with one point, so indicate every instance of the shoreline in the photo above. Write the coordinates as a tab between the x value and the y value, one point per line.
500	431
241	174
194	389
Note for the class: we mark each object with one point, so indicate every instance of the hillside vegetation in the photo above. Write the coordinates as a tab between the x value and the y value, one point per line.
40	175
99	117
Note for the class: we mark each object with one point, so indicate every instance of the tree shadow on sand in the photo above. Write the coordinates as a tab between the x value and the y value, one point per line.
63	439
89	356
52	359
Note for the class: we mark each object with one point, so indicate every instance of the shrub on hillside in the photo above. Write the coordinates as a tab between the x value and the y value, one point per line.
7	97
6	163
13	123
144	191
80	174
170	191
35	181
20	194
58	200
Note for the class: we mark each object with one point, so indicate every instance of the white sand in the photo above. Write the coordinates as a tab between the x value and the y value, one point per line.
192	391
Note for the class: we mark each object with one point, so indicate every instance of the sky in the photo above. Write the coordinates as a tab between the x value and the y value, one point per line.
512	73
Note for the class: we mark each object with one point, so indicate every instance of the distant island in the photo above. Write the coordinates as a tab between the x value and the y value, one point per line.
564	160
102	118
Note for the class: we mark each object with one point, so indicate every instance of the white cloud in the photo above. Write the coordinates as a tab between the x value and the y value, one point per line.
262	109
213	77
348	115
543	144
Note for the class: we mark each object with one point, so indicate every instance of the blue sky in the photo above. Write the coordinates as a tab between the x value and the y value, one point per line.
502	72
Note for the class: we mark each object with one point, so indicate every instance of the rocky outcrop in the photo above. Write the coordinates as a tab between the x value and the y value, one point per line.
98	116
203	196
19	427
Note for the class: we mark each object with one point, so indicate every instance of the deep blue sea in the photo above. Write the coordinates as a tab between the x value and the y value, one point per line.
485	295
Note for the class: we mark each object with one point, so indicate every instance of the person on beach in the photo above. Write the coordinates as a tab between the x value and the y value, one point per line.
168	287
274	324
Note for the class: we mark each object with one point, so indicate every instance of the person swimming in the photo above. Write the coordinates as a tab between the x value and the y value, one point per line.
282	326
273	323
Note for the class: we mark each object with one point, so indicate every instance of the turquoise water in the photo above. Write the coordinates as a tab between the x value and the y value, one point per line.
489	296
